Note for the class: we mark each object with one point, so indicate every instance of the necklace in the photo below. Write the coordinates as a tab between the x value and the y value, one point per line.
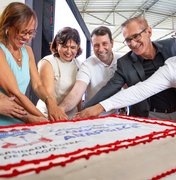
17	55
19	58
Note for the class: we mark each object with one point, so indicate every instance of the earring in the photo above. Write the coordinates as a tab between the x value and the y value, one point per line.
6	32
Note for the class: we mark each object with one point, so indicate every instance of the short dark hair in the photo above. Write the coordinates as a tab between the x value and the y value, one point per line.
62	37
101	31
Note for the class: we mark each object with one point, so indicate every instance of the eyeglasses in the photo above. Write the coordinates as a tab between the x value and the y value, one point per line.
135	37
30	33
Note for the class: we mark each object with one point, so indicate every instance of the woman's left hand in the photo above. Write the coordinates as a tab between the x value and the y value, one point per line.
31	119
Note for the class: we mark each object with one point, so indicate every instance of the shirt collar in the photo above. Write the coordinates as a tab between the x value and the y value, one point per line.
158	48
112	63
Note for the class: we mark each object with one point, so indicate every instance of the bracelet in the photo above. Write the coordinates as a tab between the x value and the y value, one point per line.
46	99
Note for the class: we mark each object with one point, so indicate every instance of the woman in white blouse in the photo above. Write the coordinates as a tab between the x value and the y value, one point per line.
58	70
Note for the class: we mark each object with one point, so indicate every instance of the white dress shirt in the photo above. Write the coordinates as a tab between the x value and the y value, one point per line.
162	79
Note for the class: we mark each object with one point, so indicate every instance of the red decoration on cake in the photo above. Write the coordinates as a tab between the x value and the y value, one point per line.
70	141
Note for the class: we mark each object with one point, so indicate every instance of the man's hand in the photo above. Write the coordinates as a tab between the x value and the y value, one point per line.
92	111
9	107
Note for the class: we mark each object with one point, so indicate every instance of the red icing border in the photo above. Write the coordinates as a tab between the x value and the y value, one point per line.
97	149
167	173
139	119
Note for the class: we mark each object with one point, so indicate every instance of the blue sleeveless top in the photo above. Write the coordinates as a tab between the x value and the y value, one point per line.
22	75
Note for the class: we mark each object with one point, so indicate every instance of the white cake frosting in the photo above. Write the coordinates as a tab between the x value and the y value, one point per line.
112	147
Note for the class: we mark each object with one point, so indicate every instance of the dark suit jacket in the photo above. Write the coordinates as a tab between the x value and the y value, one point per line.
130	71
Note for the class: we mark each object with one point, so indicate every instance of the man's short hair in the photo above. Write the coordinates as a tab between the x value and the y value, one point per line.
139	19
101	31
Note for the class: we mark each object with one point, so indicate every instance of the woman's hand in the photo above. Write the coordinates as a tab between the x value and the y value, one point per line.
31	119
9	107
55	112
92	111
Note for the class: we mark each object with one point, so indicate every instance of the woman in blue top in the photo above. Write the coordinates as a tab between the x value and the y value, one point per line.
18	25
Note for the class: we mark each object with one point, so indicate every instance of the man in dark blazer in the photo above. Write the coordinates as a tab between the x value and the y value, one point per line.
137	65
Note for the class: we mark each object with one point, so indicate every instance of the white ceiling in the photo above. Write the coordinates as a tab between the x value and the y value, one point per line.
160	14
4	3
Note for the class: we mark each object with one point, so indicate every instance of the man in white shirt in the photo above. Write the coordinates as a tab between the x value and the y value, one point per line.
96	71
162	79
